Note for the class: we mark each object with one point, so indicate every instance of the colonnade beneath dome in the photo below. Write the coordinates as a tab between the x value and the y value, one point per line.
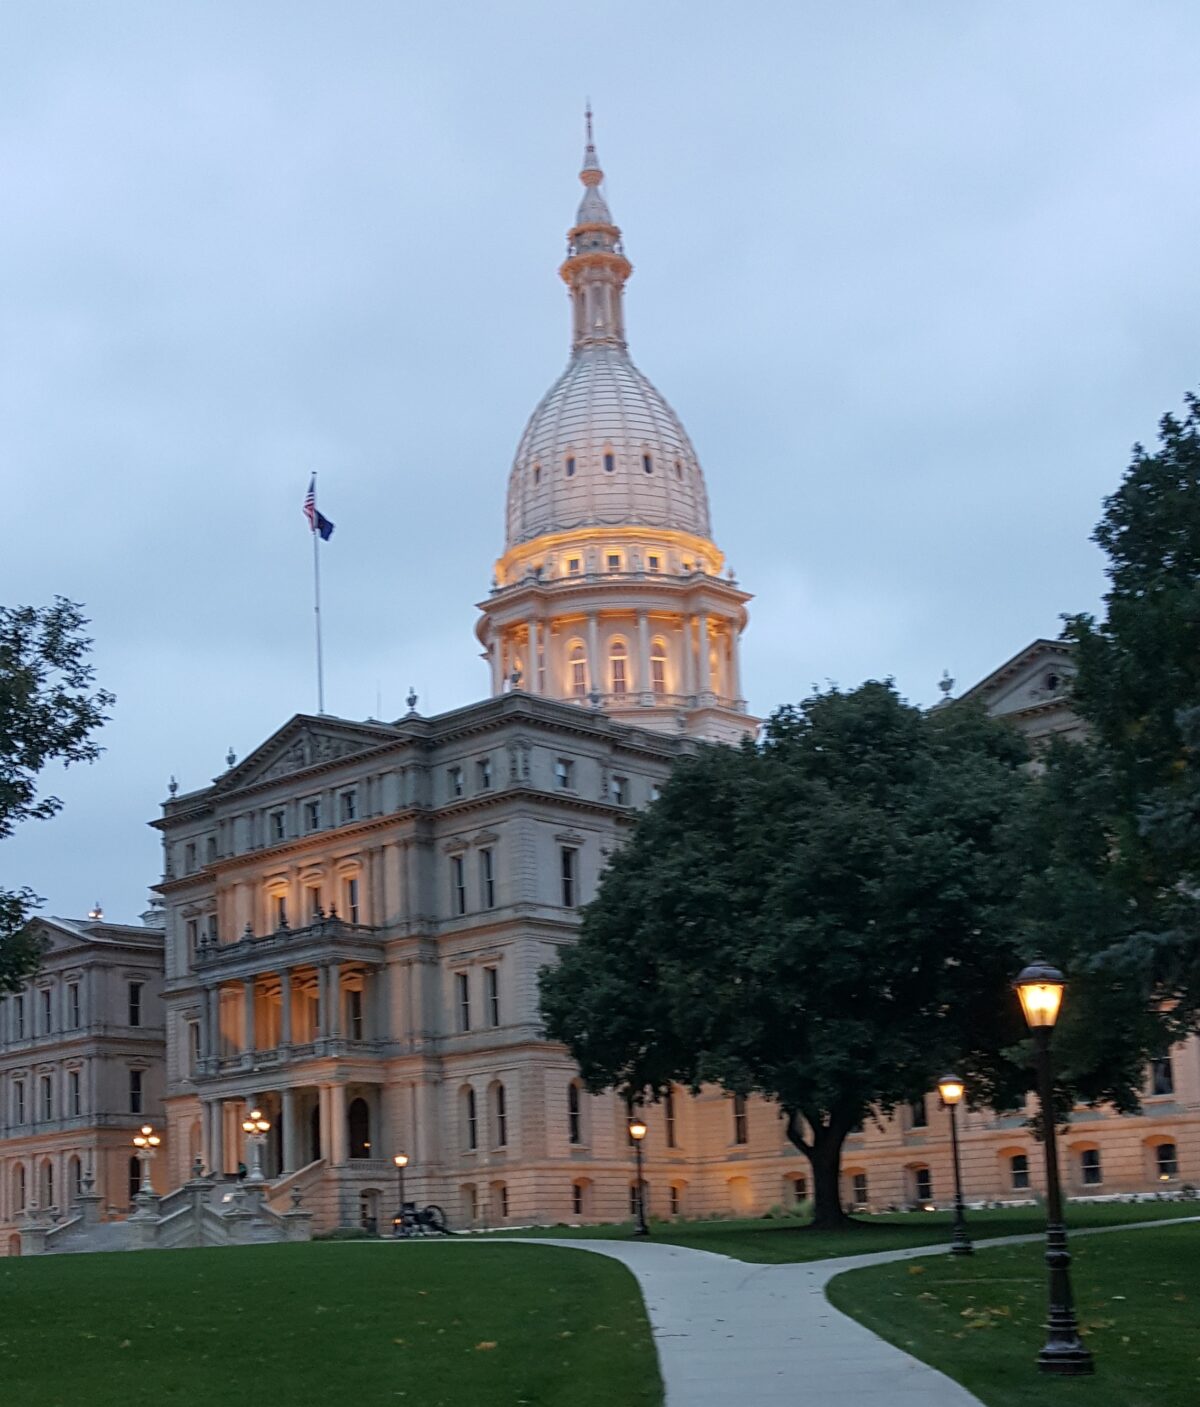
620	659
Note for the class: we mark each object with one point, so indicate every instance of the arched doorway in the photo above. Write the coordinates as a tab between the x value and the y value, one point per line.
314	1133
358	1117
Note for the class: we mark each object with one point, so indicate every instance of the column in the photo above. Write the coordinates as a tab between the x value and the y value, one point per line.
288	1108
535	644
689	656
643	659
595	671
702	652
337	1122
285	1010
248	1004
333	979
212	1021
216	1146
496	662
735	668
323	1106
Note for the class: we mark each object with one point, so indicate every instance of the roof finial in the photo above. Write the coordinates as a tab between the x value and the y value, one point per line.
591	174
587	115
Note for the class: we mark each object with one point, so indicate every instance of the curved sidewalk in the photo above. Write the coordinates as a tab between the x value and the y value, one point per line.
728	1332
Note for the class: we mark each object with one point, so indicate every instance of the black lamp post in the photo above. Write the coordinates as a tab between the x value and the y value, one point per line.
950	1087
637	1131
401	1162
1040	988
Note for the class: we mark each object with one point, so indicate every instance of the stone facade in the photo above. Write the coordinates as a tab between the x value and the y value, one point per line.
81	1067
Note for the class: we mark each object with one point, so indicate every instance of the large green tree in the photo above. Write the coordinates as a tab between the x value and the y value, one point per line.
49	711
1138	687
825	918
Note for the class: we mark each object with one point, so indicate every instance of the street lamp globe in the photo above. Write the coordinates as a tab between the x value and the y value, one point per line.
637	1130
401	1160
1040	988
950	1087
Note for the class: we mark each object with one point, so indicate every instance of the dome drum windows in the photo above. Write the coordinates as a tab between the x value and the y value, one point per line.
570	466
610	462
577	660
648	463
618	667
658	669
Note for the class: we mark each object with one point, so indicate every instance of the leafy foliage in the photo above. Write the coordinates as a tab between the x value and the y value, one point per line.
48	712
825	919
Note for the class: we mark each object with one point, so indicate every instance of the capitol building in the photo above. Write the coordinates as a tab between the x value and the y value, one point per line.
353	917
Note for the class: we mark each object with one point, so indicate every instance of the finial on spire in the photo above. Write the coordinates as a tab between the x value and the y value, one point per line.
591	174
587	115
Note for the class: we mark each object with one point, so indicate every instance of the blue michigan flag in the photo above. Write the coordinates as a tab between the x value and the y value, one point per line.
316	521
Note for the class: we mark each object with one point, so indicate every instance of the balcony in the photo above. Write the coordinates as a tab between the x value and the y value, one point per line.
327	937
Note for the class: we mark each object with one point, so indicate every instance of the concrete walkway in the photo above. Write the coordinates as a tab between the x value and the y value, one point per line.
733	1334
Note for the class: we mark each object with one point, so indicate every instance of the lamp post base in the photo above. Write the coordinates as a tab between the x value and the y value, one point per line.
1066	1360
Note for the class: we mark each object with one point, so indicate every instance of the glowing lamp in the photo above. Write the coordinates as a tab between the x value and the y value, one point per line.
950	1087
1040	988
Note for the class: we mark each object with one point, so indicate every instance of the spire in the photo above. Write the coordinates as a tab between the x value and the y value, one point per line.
596	267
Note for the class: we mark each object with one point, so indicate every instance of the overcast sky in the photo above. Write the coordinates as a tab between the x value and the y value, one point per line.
915	276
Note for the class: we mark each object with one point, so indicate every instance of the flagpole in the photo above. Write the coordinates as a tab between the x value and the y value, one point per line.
317	617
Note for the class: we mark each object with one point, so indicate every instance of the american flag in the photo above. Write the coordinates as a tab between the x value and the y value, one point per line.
317	522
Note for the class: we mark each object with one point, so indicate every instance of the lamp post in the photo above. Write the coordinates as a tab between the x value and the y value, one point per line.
256	1127
950	1087
637	1131
146	1141
1040	988
401	1161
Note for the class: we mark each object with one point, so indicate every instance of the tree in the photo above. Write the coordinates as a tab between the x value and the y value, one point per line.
1138	687
825	918
48	712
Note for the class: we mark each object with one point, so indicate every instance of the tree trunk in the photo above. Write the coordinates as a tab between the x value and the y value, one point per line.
823	1149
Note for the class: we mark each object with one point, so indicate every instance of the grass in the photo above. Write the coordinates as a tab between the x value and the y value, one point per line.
980	1320
419	1326
775	1241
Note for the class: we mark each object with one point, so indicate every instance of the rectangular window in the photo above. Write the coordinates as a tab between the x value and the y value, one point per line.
568	868
210	925
1089	1165
354	1003
74	1012
135	1091
462	986
1162	1076
918	1114
193	1046
458	885
655	792
577	1198
455	777
573	566
740	1131
312	902
633	1199
501	1104
614	562
18	1101
278	825
491	989
1167	1161
193	936
564	773
472	1121
280	911
674	1200
483	769
923	1184
574	1115
74	1094
312	814
19	1016
620	791
669	1117
487	880
653	563
799	1190
1019	1164
210	850
350	890
47	1099
189	857
860	1189
349	806
47	1010
135	1003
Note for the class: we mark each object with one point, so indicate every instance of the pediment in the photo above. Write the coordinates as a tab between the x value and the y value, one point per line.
302	743
1039	674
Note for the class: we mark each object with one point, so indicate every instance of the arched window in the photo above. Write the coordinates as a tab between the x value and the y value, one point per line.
610	461
358	1119
740	1130
499	1116
577	657
647	464
922	1185
1166	1161
499	1198
47	1183
19	1190
678	470
574	1113
468	1202
537	473
470	1119
135	1178
618	657
75	1178
570	466
658	668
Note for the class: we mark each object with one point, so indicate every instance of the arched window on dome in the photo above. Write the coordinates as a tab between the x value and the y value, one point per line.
678	470
577	659
658	668
610	461
618	659
570	466
537	473
648	463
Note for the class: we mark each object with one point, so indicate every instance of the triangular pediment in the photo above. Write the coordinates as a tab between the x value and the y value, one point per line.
303	742
1039	674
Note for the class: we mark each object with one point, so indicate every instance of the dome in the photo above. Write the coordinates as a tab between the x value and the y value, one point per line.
603	448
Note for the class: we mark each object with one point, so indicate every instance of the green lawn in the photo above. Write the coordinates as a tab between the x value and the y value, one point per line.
980	1321
776	1241
309	1325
